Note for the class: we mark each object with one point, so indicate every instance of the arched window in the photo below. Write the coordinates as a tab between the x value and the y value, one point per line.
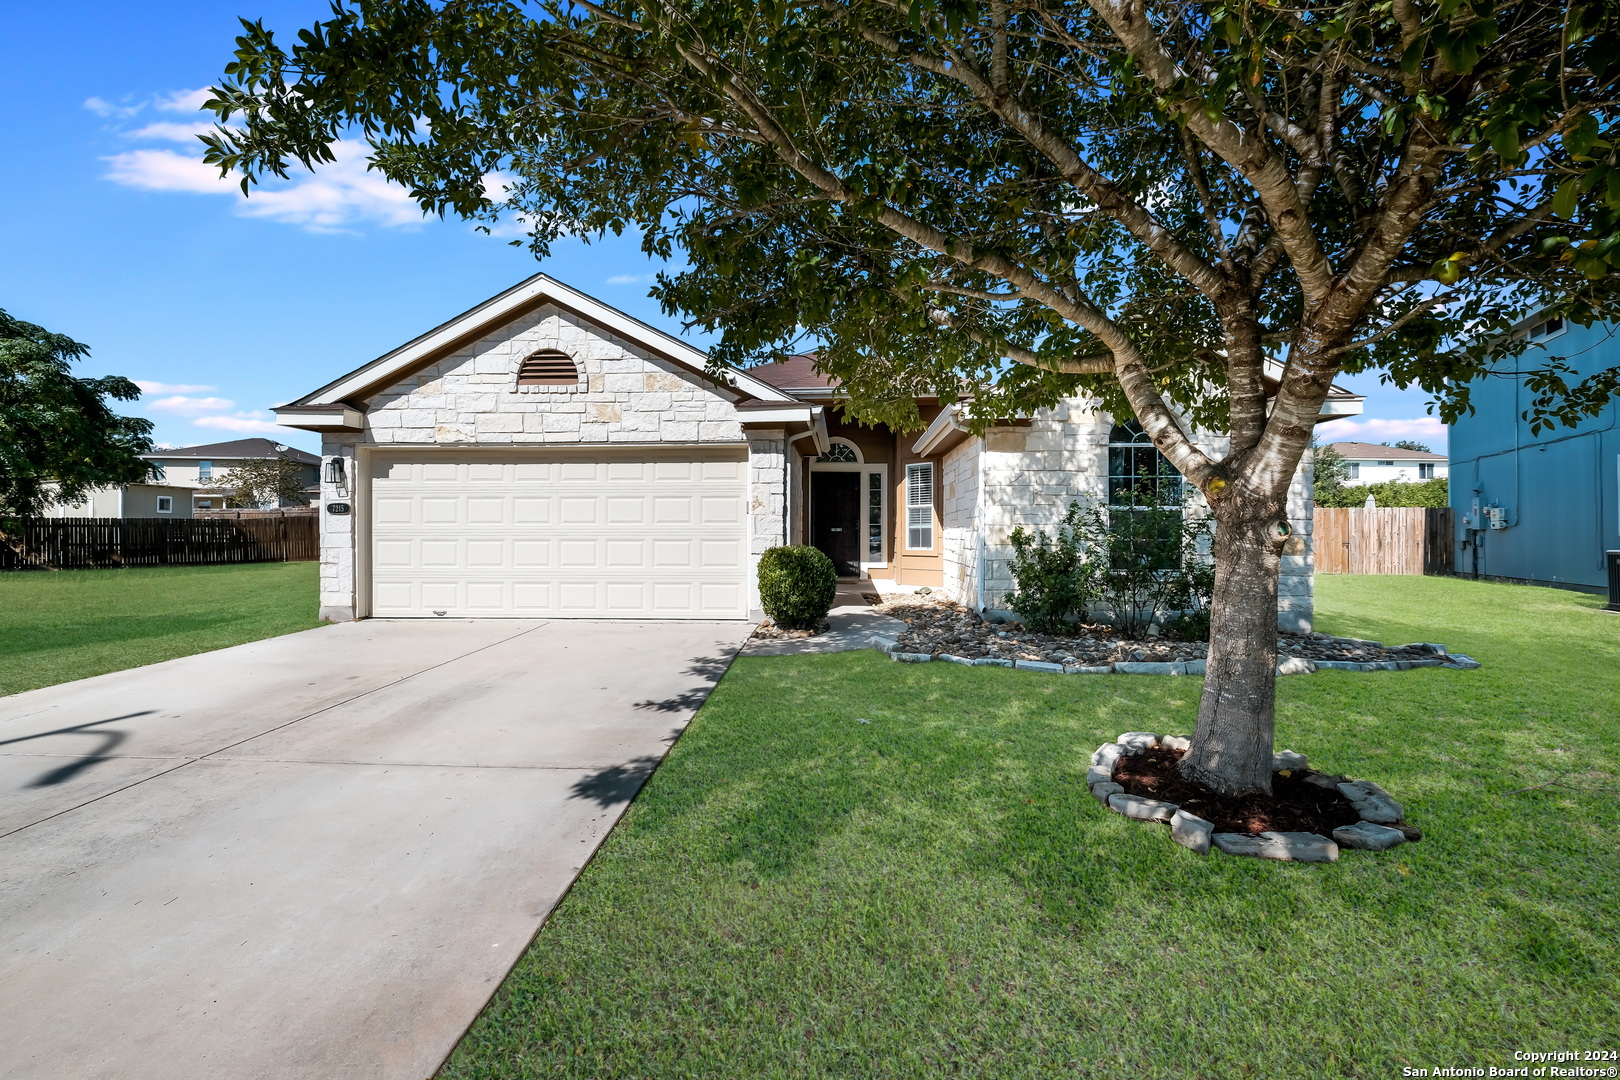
1138	475
841	451
548	367
1144	496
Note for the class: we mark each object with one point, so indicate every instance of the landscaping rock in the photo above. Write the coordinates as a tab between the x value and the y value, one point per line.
1191	831
1102	792
991	661
1107	755
911	657
1137	741
883	644
1038	665
1342	665
1295	665
949	659
1088	669
1324	781
1176	742
1140	809
1194	667
1365	836
1462	662
1100	774
1412	833
1290	846
1429	646
1142	667
1287	761
1372	802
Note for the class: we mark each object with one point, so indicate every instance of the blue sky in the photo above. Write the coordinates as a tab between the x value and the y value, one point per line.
118	236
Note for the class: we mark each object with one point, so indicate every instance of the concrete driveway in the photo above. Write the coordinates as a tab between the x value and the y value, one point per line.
316	855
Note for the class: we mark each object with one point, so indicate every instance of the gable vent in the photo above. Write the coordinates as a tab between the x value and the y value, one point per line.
548	367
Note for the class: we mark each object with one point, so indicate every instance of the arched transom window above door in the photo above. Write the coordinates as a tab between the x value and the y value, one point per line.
548	371
841	452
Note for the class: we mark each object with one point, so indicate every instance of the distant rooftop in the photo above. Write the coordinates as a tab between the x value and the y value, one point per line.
1362	451
236	448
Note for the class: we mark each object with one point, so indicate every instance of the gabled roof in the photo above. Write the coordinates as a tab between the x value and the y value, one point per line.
1362	451
236	448
341	396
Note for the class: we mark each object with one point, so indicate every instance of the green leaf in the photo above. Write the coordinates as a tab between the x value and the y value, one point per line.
1564	201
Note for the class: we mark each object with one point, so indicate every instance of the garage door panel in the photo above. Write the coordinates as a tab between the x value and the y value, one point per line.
607	532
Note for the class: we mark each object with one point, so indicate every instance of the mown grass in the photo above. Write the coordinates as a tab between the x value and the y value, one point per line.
55	627
798	893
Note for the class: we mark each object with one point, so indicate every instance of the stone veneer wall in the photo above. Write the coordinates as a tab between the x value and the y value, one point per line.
960	520
1029	475
471	398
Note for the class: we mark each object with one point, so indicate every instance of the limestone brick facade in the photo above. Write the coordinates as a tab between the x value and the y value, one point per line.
625	395
1029	474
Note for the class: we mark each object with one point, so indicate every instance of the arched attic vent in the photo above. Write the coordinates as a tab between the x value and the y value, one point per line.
548	367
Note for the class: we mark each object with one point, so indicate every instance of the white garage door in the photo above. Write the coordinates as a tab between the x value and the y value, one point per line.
644	534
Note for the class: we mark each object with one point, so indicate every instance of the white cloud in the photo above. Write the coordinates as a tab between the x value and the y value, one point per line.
340	194
628	279
106	108
1375	429
183	100
245	422
165	170
151	386
180	403
173	132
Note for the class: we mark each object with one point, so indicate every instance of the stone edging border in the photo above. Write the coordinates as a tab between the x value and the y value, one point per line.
1382	825
1293	665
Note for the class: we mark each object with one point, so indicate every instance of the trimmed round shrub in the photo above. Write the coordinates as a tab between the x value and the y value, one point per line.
796	586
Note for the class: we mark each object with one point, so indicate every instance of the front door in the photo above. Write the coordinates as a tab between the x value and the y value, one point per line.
835	519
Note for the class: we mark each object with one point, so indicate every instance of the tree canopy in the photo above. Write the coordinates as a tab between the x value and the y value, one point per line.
59	437
265	481
1196	212
927	189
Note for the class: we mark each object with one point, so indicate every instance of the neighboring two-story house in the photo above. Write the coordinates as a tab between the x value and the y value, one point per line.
1540	507
1375	463
199	468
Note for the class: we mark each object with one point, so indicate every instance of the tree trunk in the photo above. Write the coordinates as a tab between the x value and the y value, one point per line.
1231	747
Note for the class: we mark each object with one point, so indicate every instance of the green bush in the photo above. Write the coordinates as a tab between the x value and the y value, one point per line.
1143	564
1431	493
1054	581
796	586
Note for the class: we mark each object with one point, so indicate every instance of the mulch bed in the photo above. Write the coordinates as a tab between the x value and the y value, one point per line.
1292	806
769	631
935	625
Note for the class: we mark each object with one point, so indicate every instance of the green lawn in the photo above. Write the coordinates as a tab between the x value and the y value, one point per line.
69	625
800	894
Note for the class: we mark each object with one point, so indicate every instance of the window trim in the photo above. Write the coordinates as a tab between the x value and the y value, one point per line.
917	468
161	499
205	470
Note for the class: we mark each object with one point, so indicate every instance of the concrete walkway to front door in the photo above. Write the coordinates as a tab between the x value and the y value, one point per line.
315	855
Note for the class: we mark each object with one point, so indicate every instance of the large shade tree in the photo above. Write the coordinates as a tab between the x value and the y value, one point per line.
1010	202
59	436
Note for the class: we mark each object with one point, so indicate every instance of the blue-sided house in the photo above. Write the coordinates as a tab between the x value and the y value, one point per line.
1538	508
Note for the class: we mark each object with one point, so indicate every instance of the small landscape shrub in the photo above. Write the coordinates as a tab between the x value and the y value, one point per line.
796	586
1054	579
1141	563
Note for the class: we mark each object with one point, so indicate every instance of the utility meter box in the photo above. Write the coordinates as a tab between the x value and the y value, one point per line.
1496	517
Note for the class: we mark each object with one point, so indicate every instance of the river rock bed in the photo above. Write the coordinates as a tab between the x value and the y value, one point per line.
936	626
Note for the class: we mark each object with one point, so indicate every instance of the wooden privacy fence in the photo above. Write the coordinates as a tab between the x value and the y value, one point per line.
1383	540
78	543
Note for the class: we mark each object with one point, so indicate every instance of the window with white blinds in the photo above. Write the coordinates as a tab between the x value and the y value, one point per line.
920	506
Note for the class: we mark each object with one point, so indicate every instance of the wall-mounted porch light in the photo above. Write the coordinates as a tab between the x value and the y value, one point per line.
334	471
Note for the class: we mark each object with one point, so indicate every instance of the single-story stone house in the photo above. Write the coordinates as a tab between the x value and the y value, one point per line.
545	455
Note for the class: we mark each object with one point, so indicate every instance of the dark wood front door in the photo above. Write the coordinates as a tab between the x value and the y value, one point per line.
835	519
